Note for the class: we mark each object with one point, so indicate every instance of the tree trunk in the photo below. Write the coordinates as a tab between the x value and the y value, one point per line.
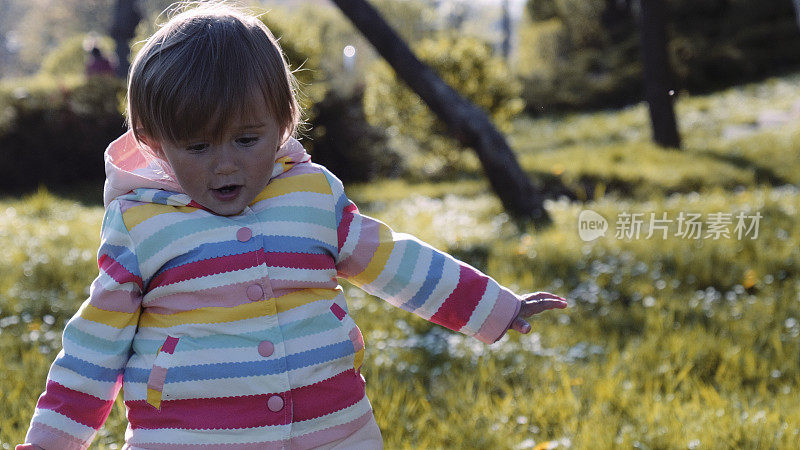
506	24
797	10
657	74
466	121
123	29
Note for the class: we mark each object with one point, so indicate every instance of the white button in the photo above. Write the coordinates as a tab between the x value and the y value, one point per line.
244	234
275	403
255	292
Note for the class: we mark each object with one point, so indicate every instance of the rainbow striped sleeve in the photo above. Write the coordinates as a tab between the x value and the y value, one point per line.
87	374
414	276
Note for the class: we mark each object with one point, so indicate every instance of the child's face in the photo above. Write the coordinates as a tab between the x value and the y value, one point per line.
226	176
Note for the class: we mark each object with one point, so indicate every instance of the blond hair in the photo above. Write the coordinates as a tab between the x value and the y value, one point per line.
206	66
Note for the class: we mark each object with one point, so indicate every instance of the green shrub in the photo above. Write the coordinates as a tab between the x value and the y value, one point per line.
340	137
467	65
57	136
578	54
70	57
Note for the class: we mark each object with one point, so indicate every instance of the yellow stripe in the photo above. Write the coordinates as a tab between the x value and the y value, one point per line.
310	182
220	314
304	297
154	397
114	319
211	314
379	259
359	359
140	213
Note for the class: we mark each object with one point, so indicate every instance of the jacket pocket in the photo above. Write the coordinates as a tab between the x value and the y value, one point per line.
354	334
158	373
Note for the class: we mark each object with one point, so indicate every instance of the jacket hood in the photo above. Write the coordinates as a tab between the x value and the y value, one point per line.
133	167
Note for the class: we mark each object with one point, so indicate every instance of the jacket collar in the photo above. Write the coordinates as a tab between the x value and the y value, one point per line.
134	170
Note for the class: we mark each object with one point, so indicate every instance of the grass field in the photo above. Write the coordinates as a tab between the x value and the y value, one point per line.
668	343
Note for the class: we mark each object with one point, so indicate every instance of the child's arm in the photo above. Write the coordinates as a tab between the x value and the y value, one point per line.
86	375
412	275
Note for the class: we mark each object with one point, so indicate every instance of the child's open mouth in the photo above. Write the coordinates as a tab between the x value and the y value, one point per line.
226	193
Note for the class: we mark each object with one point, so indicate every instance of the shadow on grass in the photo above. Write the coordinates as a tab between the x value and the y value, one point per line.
87	193
762	174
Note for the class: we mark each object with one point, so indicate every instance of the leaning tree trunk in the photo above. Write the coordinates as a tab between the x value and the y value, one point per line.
465	121
797	10
657	74
506	25
123	29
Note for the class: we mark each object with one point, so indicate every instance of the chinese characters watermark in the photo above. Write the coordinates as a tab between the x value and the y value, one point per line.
686	225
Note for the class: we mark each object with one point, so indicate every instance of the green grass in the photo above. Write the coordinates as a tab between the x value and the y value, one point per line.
668	343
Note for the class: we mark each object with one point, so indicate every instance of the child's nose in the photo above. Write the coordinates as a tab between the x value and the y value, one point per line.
225	162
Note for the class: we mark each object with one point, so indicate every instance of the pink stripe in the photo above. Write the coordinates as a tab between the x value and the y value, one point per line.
268	445
81	407
206	267
307	261
321	437
458	307
207	413
248	411
157	377
169	345
46	436
337	311
125	205
283	287
328	396
224	296
118	301
357	338
503	313
364	251
300	168
344	224
117	271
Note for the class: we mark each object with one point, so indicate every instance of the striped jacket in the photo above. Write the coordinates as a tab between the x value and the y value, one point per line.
234	331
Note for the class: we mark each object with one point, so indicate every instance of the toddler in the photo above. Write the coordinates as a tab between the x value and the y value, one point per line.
217	307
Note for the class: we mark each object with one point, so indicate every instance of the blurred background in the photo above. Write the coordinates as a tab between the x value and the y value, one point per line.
617	106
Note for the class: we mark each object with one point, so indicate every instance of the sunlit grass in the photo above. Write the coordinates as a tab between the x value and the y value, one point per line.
668	343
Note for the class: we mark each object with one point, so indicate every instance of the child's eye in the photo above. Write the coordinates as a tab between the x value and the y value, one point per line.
247	141
196	148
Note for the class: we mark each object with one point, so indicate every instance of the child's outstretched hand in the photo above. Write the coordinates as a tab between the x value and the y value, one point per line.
534	304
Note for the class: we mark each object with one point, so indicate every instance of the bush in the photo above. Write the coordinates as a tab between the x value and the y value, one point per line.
57	136
587	54
467	65
340	137
70	57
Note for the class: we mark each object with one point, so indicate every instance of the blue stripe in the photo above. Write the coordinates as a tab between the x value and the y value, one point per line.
293	330
431	280
211	250
122	255
320	355
234	247
179	230
95	343
297	245
405	270
305	214
87	369
162	197
248	368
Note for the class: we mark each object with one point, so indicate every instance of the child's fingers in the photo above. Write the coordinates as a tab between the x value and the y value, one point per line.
543	296
541	301
521	325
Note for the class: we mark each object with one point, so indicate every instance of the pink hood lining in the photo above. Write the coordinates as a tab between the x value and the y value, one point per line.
133	165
